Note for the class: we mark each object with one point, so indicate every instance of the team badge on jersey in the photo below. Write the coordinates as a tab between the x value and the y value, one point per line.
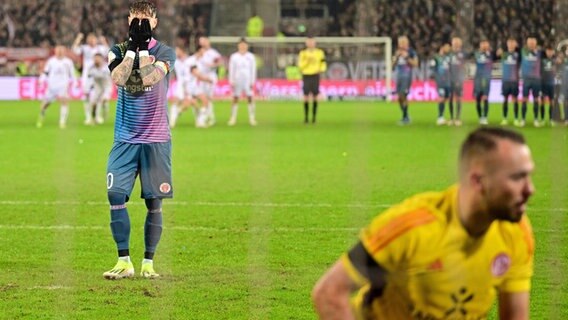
165	187
500	264
134	83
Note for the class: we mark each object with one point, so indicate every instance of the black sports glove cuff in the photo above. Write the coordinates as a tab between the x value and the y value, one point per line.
143	46
132	46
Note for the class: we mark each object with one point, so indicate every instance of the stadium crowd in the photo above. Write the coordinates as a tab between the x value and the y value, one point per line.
428	23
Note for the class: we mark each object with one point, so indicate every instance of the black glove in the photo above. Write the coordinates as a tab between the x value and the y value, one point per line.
144	35
132	34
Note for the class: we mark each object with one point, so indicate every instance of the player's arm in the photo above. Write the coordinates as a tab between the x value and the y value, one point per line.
302	61
331	295
201	77
514	291
323	63
232	70
514	306
253	71
71	70
152	73
395	59
76	47
45	73
120	69
413	60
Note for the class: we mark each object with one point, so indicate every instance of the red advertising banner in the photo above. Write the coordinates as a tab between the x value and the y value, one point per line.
29	88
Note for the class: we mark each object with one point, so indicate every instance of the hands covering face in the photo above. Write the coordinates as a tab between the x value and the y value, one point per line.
139	34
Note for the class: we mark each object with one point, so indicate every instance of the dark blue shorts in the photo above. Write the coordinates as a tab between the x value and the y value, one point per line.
531	85
403	85
547	90
444	91
152	161
481	87
457	89
510	88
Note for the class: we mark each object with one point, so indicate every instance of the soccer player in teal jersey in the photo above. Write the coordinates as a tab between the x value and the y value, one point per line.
531	62
548	81
140	68
457	78
482	81
564	85
404	61
440	65
510	62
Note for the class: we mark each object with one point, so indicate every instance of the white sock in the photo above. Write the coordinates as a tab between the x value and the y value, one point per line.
147	261
64	111
234	110
88	111
99	110
252	109
106	107
174	112
125	258
210	110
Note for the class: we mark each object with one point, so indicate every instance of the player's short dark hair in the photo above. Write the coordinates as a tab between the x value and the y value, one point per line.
484	140
243	39
145	7
99	54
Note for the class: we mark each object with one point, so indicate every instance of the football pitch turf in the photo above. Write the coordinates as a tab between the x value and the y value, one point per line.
258	215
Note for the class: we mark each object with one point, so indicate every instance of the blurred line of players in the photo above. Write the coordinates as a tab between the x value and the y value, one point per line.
196	76
543	73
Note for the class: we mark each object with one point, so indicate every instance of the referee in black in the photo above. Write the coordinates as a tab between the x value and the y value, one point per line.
311	62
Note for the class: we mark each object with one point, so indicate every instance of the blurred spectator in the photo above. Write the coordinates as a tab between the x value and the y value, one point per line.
255	26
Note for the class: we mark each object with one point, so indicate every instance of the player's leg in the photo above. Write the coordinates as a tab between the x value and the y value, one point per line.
535	89
306	107
478	98
251	106
174	112
441	106
63	110
234	110
451	106
235	105
485	111
156	183
121	174
152	235
306	91
209	88
98	106
505	91
87	92
459	93
315	93
526	91
202	112
515	99
43	108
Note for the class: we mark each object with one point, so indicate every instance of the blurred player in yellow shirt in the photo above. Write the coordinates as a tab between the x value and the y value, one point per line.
449	254
311	63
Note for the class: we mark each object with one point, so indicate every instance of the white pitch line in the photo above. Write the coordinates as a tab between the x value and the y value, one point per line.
198	203
52	287
185	228
228	204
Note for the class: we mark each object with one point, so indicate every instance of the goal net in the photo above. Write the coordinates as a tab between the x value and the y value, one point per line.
357	67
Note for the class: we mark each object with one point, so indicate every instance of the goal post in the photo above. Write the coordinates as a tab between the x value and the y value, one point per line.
358	67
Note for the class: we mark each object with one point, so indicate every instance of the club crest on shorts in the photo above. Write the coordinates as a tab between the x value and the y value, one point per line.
500	264
165	187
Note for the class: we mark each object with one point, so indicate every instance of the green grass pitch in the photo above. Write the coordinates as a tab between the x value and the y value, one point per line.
258	215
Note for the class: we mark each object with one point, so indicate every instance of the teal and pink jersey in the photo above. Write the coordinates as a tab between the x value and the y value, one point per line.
510	61
141	112
531	62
